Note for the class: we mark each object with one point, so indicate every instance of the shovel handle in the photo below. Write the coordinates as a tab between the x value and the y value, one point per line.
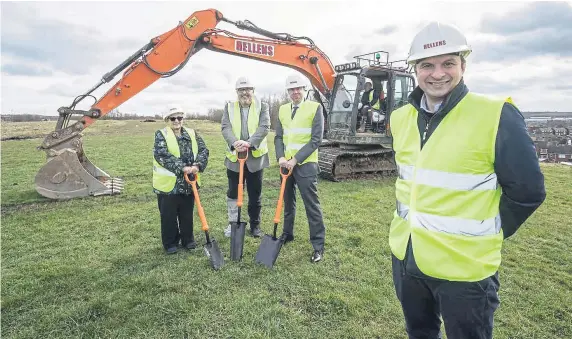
281	196
193	183
241	162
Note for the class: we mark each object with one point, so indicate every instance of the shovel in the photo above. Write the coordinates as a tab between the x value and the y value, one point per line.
237	229
270	245
211	248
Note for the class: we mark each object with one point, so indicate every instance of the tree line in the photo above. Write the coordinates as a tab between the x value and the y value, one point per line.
274	102
214	114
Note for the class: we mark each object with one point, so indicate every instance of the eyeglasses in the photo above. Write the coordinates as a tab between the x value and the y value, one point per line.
244	90
176	118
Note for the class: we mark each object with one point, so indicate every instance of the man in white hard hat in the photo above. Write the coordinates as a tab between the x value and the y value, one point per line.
299	133
245	125
468	178
177	150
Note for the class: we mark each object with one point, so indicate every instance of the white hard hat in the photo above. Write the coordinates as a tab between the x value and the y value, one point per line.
294	81
368	81
173	109
243	82
438	39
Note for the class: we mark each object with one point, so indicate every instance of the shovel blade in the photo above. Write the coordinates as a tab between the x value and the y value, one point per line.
237	231
268	251
213	252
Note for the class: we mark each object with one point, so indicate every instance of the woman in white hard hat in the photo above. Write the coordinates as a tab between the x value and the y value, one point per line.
245	124
468	178
177	150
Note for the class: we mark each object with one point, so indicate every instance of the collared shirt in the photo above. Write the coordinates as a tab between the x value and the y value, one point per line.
295	107
425	106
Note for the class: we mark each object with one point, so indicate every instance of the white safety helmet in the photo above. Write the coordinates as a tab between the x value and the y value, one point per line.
438	39
294	81
173	109
243	82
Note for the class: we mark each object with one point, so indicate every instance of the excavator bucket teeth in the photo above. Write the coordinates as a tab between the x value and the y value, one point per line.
64	176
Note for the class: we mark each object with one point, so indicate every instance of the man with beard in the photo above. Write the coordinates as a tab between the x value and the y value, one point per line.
245	124
468	178
298	135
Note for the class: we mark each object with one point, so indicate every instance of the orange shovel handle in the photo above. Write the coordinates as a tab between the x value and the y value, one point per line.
193	183
241	161
281	196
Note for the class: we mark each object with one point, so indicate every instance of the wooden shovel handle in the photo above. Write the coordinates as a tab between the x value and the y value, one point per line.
193	183
241	161
281	196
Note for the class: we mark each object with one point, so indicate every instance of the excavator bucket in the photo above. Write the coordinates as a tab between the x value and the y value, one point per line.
69	174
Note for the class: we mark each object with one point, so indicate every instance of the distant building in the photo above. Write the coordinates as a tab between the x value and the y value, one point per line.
546	130
558	153
561	131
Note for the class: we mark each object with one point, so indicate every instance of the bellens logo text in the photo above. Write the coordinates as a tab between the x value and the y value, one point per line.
254	48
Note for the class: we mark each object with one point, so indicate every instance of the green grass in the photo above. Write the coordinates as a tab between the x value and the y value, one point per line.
94	267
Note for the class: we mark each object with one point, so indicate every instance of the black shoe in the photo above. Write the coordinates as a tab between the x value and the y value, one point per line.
286	238
171	250
191	246
317	256
256	232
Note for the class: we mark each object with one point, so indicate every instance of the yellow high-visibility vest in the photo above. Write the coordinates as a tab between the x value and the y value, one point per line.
447	193
253	119
298	132
163	179
376	105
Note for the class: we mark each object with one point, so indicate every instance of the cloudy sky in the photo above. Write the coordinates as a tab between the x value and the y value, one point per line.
53	51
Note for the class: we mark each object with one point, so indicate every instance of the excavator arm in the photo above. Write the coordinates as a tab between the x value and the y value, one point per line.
68	173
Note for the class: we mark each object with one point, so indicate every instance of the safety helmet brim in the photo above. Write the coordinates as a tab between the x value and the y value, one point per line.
464	51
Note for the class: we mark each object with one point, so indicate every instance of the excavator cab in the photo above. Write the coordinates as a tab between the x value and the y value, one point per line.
358	136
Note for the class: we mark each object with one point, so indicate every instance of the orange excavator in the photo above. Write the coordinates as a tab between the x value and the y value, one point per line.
68	173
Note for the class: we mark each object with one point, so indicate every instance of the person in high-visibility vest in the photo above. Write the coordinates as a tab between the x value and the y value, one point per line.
365	101
468	177
245	124
299	133
177	150
379	105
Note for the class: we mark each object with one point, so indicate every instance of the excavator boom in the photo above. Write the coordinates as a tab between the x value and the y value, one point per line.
68	173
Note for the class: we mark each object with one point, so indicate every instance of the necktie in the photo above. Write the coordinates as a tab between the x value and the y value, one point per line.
294	111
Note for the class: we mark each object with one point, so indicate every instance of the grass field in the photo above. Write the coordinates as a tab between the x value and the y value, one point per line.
94	267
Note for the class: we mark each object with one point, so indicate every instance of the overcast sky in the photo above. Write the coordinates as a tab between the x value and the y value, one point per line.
53	51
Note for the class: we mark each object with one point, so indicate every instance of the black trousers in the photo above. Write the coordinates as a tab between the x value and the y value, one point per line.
254	188
176	218
466	307
308	187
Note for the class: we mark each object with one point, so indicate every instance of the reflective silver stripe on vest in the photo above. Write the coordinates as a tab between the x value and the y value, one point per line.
405	172
402	210
456	181
296	146
300	130
453	225
163	171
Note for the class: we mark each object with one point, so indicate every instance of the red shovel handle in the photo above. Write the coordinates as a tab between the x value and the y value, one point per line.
281	196
241	161
193	183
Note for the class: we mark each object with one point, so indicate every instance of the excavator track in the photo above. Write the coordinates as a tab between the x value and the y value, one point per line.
337	164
